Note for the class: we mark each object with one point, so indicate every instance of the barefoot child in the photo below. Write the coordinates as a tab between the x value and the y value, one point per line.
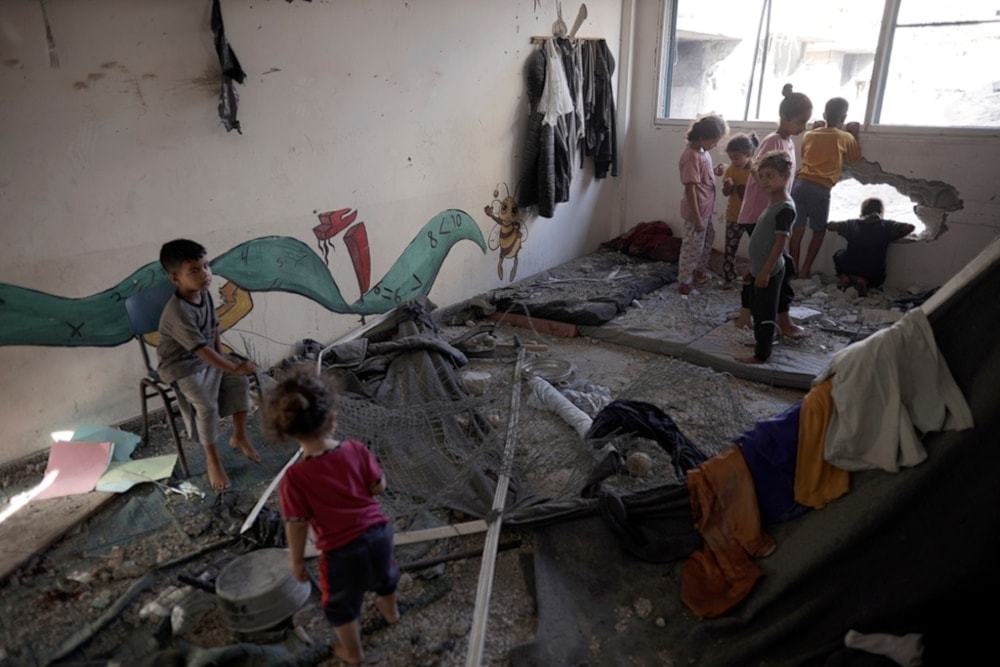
333	489
767	245
698	203
190	355
740	150
793	114
862	262
824	151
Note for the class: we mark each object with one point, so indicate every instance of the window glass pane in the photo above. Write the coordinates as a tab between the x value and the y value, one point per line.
716	65
935	11
944	77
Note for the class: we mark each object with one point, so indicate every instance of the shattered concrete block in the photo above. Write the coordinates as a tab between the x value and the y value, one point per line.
476	382
805	287
880	316
803	314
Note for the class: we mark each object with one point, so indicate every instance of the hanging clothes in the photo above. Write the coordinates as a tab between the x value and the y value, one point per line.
545	173
571	109
601	129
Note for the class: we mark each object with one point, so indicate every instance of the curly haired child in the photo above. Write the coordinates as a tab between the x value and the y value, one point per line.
333	489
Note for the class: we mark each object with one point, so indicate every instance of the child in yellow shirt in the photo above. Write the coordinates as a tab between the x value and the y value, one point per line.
824	151
740	150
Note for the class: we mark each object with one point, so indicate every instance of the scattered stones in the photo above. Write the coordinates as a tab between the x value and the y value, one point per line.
639	464
643	607
476	382
459	629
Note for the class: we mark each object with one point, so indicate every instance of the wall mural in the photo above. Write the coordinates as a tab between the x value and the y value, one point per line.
510	231
266	264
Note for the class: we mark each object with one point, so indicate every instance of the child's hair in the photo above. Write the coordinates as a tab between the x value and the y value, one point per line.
780	161
174	253
794	104
745	144
712	126
872	205
836	111
301	404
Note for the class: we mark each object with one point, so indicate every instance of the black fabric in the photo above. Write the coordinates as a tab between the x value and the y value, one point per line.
546	170
601	124
656	526
231	71
647	420
764	309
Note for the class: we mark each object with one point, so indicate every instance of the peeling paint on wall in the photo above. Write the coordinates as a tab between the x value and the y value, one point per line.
933	200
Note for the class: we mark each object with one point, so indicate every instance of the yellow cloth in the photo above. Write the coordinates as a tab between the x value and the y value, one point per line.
740	178
823	154
816	481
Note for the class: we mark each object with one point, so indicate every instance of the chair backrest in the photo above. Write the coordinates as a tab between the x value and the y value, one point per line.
144	309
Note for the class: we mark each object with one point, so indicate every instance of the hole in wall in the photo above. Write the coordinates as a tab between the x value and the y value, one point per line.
929	202
847	196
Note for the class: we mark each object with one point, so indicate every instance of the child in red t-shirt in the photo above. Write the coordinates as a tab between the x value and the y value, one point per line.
332	489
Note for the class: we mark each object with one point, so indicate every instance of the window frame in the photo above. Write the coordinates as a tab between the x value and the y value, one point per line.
876	91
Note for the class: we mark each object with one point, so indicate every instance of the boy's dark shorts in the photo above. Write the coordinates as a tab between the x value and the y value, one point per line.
348	572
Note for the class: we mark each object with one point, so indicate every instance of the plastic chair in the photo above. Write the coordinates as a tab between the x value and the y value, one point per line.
144	309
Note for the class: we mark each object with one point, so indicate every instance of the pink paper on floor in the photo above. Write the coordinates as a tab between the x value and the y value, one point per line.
75	468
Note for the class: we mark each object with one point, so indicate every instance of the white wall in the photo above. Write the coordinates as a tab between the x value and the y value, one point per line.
969	163
397	109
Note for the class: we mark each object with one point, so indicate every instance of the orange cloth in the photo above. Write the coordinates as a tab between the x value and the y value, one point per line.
724	506
823	154
816	481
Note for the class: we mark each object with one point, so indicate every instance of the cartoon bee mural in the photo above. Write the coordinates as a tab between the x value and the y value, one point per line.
509	233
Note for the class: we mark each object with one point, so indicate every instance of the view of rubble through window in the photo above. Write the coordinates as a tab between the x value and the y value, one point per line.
847	195
943	69
733	58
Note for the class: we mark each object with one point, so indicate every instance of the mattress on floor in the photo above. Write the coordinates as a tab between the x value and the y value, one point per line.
589	290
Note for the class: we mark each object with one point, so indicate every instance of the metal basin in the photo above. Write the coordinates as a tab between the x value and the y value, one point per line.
257	591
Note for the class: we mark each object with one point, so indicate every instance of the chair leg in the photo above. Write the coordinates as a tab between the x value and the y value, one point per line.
145	414
170	422
177	437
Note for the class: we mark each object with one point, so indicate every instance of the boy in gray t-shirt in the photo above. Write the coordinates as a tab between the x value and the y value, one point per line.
767	244
191	356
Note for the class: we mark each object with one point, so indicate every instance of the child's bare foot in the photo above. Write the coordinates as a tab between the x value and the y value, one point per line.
340	652
749	360
862	287
791	329
743	321
217	474
246	447
387	605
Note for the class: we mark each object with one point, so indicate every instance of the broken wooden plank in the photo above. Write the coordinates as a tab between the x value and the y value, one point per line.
537	324
440	532
36	526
